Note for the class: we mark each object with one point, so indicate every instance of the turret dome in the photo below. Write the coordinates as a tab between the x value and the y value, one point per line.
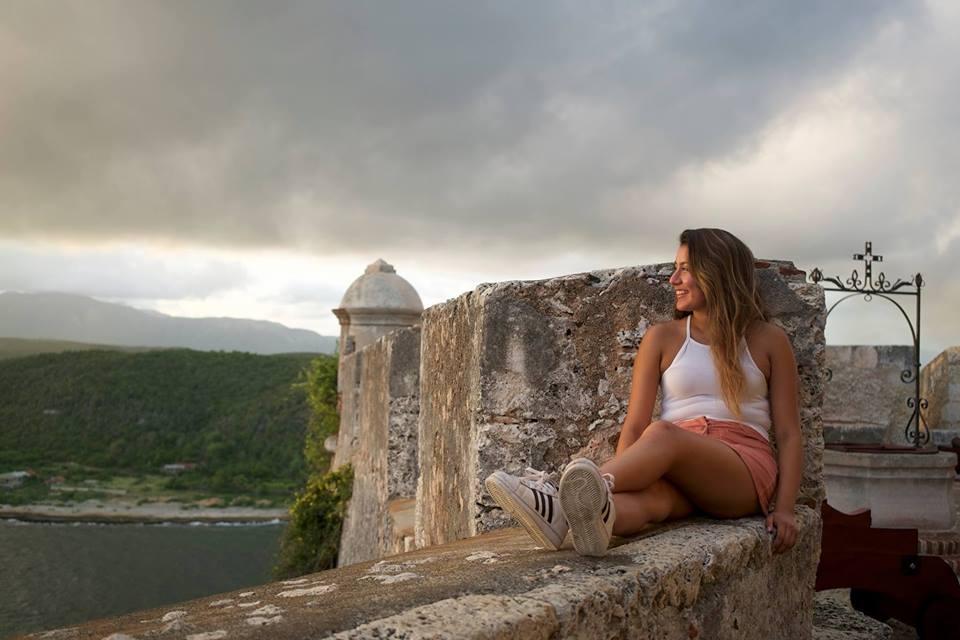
381	288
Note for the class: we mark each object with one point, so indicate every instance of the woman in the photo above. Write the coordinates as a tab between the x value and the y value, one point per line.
727	376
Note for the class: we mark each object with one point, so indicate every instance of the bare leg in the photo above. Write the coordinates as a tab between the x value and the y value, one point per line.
658	502
708	472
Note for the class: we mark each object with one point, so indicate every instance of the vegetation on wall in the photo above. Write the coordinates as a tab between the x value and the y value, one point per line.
311	539
321	389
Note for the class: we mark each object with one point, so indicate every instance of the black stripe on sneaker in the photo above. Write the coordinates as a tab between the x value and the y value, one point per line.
536	499
606	512
543	503
550	504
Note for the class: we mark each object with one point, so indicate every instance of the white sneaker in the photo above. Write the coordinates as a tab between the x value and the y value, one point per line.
532	501
587	499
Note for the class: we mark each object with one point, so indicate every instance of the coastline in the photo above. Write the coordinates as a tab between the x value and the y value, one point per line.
128	513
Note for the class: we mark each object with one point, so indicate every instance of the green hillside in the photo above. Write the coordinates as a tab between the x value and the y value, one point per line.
241	417
20	347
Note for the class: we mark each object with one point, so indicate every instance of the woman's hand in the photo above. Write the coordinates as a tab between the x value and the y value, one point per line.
784	525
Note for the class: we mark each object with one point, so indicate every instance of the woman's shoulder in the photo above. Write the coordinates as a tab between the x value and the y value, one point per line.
669	328
768	334
662	341
667	332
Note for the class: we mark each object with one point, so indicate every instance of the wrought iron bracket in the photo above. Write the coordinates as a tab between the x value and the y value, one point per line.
916	430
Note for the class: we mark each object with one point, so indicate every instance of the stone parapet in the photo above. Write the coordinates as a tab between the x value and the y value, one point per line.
348	392
519	374
383	446
901	490
865	401
692	579
940	385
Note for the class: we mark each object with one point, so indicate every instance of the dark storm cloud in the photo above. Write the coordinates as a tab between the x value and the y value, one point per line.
468	126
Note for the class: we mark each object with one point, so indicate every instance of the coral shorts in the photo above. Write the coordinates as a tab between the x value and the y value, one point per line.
752	448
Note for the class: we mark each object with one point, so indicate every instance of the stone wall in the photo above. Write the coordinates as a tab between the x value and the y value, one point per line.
520	374
865	401
382	442
348	391
940	385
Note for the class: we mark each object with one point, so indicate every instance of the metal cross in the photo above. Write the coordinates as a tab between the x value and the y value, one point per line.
868	259
916	430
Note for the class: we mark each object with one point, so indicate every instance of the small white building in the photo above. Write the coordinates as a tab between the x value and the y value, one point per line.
14	479
178	467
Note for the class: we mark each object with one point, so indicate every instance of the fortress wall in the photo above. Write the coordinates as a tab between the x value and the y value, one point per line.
348	389
532	373
403	413
866	401
940	385
383	446
449	369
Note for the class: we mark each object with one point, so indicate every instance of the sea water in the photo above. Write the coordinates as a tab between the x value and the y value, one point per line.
55	575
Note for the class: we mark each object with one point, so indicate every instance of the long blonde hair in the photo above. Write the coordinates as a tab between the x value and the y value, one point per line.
723	267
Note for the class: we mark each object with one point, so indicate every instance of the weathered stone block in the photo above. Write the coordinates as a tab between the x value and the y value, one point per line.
902	490
384	447
865	401
520	374
348	391
940	385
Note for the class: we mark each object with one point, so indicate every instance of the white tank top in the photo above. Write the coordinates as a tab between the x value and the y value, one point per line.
691	388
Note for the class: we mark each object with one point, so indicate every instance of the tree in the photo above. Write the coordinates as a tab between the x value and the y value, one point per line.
311	540
324	419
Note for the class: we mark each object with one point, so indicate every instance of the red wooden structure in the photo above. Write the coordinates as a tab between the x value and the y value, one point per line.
886	576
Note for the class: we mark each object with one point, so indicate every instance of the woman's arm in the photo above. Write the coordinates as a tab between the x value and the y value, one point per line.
785	413
643	387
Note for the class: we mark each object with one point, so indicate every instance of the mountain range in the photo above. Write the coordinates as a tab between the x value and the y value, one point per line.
61	316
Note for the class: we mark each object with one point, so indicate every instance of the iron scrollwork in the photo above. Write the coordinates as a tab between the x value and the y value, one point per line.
916	430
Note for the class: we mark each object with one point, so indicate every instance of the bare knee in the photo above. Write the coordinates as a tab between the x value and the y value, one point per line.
660	435
659	429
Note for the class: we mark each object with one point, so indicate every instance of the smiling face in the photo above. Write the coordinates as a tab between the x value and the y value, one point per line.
690	296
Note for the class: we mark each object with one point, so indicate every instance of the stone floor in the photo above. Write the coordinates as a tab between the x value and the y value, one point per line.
835	619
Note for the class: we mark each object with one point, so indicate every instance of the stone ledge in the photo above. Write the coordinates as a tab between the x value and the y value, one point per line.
881	464
904	490
695	578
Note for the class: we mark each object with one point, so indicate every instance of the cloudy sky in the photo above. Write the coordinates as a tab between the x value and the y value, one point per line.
250	158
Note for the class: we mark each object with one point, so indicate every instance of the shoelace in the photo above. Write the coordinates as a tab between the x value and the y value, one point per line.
540	479
608	479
